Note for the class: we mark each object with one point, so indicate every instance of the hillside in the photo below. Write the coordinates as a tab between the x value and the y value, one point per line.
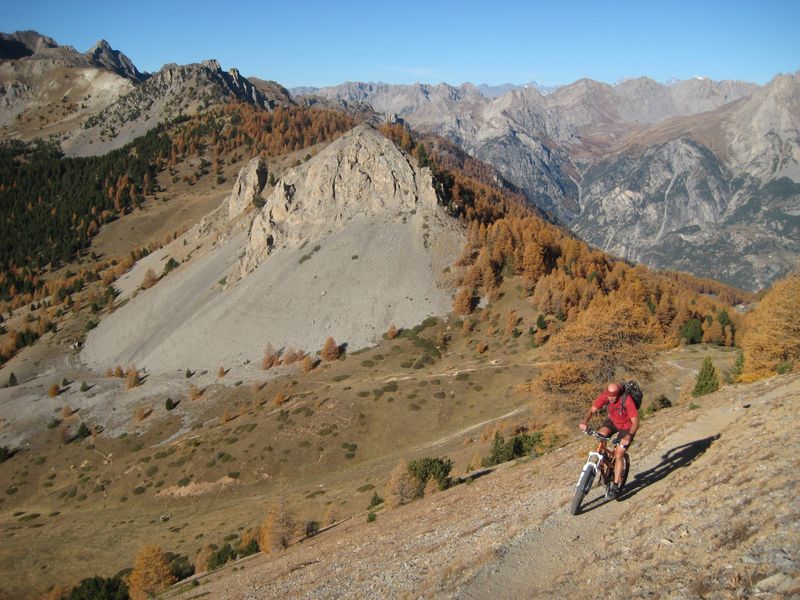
693	498
356	230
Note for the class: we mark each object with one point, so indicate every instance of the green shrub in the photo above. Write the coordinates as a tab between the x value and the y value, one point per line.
375	500
99	588
424	469
502	450
83	432
371	516
5	454
12	380
84	386
312	528
249	548
220	557
179	566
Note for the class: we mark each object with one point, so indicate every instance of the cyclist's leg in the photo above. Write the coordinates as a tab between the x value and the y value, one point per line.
619	453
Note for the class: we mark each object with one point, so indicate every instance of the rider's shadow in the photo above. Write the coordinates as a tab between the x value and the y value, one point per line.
673	459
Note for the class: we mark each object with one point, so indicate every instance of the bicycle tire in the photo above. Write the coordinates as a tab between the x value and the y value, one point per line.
626	466
584	485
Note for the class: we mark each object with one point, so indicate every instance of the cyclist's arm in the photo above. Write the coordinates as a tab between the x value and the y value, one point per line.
634	426
588	416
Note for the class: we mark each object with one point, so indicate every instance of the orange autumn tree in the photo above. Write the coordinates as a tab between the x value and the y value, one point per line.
771	343
613	337
151	573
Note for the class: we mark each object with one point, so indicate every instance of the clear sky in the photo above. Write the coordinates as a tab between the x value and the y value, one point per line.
298	42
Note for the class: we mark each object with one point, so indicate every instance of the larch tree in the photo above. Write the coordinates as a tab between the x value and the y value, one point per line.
771	342
400	487
278	528
330	351
151	574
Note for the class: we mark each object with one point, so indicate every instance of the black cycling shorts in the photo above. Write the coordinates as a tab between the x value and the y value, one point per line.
622	432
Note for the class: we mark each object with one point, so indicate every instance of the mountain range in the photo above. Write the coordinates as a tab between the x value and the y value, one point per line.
697	175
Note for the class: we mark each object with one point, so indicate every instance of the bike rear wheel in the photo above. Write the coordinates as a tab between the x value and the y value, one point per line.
584	485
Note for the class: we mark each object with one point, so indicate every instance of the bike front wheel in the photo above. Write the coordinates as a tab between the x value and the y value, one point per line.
584	485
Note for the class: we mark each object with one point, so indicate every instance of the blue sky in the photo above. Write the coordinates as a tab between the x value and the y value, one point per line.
324	43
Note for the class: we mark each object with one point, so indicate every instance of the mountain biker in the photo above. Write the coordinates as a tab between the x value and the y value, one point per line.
623	418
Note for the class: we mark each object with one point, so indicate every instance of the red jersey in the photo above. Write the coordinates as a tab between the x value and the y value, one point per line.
619	412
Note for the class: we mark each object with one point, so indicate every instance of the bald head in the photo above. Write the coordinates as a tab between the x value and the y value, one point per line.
613	389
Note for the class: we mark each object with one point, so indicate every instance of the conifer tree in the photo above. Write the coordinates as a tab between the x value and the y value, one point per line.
771	343
330	351
277	529
151	574
400	487
707	379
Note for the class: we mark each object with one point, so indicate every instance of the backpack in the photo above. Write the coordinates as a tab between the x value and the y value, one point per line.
632	389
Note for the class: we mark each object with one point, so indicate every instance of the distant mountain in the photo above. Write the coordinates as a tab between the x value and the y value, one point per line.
698	175
47	89
494	91
274	93
174	91
103	55
23	43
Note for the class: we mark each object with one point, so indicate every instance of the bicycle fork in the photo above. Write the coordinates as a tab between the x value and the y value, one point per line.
594	467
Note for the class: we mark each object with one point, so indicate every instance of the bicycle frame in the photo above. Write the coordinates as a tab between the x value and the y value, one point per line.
601	462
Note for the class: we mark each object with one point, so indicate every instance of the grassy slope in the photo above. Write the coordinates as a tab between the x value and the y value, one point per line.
94	499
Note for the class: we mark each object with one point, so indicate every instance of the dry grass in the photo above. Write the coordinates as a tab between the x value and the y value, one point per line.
279	399
54	390
195	393
141	413
132	379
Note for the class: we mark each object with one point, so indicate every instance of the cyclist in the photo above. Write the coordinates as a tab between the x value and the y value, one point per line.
623	418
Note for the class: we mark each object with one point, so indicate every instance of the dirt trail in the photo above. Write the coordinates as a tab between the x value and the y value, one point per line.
530	565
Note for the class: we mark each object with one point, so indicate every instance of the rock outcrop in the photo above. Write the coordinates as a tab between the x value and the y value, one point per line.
362	173
249	184
104	56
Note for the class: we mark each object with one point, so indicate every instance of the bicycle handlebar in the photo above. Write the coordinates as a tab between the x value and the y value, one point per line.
600	436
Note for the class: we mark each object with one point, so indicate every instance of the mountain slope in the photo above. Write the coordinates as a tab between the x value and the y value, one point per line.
174	91
508	535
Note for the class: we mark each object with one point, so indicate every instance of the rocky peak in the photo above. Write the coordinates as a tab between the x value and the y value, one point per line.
23	43
104	56
360	174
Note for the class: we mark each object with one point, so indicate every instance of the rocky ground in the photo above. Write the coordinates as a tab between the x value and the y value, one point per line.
709	511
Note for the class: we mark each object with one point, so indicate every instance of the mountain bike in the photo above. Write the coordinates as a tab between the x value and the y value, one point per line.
600	462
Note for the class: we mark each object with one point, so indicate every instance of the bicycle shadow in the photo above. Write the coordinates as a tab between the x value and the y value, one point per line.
676	458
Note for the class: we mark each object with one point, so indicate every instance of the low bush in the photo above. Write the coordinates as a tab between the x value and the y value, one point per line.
424	469
504	450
